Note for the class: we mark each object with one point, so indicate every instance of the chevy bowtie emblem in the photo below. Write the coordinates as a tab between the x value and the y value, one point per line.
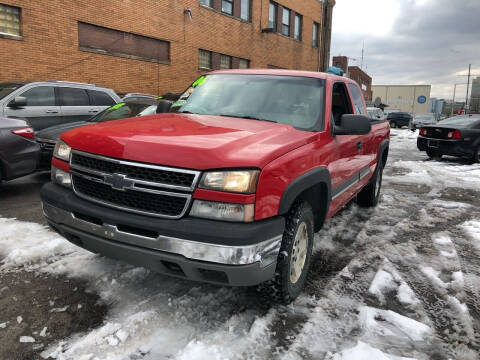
438	130
118	182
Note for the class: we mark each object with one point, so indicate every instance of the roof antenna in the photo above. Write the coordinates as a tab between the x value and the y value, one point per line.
363	46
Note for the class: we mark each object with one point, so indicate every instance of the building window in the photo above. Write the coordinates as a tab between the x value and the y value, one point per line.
272	15
227	7
206	2
204	59
245	10
243	64
107	41
225	62
10	23
286	22
298	27
315	35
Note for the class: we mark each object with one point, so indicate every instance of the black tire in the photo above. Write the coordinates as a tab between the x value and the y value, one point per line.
434	154
370	194
475	157
282	289
393	124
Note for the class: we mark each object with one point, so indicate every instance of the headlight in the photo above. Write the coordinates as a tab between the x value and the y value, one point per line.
222	211
61	177
239	181
62	151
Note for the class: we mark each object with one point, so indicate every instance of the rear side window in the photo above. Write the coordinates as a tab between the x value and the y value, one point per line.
40	96
357	99
100	98
73	97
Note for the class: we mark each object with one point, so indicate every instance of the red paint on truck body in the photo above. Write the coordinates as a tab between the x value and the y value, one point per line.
203	142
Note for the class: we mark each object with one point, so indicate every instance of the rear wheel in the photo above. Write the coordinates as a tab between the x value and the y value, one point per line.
434	154
393	125
370	194
295	253
475	157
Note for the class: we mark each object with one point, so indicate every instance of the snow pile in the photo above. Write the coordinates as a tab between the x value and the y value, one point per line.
472	228
390	323
363	351
27	243
383	282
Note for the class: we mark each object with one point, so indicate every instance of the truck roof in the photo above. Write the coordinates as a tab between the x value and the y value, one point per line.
311	74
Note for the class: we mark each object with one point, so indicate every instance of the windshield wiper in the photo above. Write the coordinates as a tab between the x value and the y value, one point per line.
246	117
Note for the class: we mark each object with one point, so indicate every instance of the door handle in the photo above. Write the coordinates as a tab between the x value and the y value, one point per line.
359	145
51	111
92	111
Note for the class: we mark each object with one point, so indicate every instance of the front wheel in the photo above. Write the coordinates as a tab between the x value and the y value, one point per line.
370	194
295	254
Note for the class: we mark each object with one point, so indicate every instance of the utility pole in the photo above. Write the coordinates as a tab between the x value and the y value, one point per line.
468	85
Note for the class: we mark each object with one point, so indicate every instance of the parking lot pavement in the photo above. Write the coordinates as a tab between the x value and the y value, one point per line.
20	198
400	281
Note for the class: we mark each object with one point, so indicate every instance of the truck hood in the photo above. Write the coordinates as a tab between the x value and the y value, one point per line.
54	132
189	140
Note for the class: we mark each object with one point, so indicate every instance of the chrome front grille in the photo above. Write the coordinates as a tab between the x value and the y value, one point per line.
136	187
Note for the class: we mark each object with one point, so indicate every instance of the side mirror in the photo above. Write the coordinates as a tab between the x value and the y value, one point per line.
353	125
18	102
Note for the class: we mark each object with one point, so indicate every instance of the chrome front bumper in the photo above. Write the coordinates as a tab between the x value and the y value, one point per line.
265	252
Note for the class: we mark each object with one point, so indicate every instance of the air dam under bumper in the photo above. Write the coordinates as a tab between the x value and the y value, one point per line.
234	254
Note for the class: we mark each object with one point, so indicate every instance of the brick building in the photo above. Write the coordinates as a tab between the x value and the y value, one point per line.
355	73
158	46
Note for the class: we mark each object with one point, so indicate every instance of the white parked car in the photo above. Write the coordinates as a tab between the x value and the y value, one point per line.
375	114
420	120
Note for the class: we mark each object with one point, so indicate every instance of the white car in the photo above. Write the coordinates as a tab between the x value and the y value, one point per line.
375	113
420	120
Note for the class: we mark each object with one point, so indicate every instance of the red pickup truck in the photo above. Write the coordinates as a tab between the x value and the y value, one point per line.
230	186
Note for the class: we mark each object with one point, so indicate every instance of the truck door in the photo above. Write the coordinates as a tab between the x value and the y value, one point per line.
346	169
367	140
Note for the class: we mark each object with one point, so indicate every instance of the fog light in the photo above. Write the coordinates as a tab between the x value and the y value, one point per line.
223	211
61	177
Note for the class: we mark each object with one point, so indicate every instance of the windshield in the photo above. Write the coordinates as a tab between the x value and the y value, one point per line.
461	120
120	111
8	88
291	100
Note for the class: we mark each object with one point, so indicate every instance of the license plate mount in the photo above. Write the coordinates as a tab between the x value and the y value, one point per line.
433	144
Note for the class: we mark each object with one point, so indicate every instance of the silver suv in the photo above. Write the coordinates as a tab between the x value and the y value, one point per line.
49	103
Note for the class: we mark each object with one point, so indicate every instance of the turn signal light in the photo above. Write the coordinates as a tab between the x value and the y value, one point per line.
454	135
423	131
25	132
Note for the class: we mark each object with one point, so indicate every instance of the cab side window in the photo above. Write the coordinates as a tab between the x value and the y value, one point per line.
100	98
40	96
340	102
357	99
73	97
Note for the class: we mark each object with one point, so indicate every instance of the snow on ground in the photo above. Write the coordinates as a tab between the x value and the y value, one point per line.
409	293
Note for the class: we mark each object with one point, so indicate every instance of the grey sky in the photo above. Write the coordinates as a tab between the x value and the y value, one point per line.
411	41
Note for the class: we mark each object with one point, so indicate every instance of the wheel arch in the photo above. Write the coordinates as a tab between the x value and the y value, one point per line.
314	187
383	151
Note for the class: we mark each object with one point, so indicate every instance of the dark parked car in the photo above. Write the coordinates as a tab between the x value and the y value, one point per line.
48	137
19	153
399	119
48	103
456	136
